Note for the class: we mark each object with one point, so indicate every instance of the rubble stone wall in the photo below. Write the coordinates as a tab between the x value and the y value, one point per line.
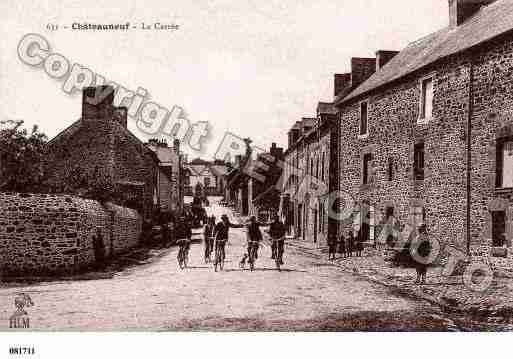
45	234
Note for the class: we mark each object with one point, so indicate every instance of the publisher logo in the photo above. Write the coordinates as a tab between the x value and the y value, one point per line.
20	318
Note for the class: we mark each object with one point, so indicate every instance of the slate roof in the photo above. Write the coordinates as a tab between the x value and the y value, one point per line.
326	108
491	21
164	154
68	132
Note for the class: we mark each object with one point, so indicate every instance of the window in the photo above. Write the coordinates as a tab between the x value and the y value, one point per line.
426	99
311	167
418	162
364	114
504	163
321	219
390	169
367	158
317	169
389	213
322	164
207	181
499	228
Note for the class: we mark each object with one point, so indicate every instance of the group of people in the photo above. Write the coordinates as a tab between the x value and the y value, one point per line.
350	244
216	236
346	246
277	232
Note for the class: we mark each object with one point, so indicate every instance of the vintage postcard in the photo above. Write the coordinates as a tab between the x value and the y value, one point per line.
247	166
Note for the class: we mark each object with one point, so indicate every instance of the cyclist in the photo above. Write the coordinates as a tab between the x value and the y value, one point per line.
254	236
183	236
221	232
209	238
277	232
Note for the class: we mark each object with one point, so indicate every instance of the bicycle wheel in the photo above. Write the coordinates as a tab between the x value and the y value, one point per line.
221	263
278	257
180	258
186	258
252	258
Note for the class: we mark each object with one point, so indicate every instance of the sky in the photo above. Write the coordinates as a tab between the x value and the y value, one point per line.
247	67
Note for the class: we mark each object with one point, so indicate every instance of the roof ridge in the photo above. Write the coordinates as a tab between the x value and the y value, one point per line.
491	21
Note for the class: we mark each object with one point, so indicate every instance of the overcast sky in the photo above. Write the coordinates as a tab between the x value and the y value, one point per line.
246	66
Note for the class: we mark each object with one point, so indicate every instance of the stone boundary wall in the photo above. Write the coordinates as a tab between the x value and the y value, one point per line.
46	234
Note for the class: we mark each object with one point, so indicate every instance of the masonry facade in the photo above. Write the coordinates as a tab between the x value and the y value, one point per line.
306	179
169	190
100	147
405	145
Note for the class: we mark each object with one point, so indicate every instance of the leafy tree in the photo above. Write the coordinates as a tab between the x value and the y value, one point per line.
21	157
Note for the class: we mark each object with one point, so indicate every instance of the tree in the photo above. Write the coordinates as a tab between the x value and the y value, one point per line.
21	157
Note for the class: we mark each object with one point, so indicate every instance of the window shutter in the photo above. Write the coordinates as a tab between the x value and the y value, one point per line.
499	163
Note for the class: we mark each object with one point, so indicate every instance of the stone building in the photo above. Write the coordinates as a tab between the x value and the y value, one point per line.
169	192
265	193
309	160
237	191
428	137
99	148
210	174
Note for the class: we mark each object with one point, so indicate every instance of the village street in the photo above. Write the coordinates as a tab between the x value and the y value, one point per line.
309	294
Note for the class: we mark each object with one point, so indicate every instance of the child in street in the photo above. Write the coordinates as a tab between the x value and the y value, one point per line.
342	246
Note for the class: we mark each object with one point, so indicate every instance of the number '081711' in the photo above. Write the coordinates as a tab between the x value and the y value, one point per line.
22	351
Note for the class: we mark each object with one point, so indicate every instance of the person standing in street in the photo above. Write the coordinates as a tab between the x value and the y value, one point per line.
350	244
359	243
99	249
423	252
342	246
332	247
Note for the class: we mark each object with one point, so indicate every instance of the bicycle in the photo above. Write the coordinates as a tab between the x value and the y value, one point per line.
209	243
220	254
278	257
252	249
183	254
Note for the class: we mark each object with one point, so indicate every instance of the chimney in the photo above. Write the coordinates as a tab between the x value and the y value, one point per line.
238	161
361	70
162	143
120	116
276	152
383	57
461	10
342	81
176	146
97	102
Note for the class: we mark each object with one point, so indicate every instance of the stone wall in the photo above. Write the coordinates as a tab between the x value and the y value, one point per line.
45	234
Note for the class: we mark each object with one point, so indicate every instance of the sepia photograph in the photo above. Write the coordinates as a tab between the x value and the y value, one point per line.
227	167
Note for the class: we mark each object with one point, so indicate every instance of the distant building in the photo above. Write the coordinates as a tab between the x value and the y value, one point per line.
264	188
210	175
310	164
252	181
170	189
